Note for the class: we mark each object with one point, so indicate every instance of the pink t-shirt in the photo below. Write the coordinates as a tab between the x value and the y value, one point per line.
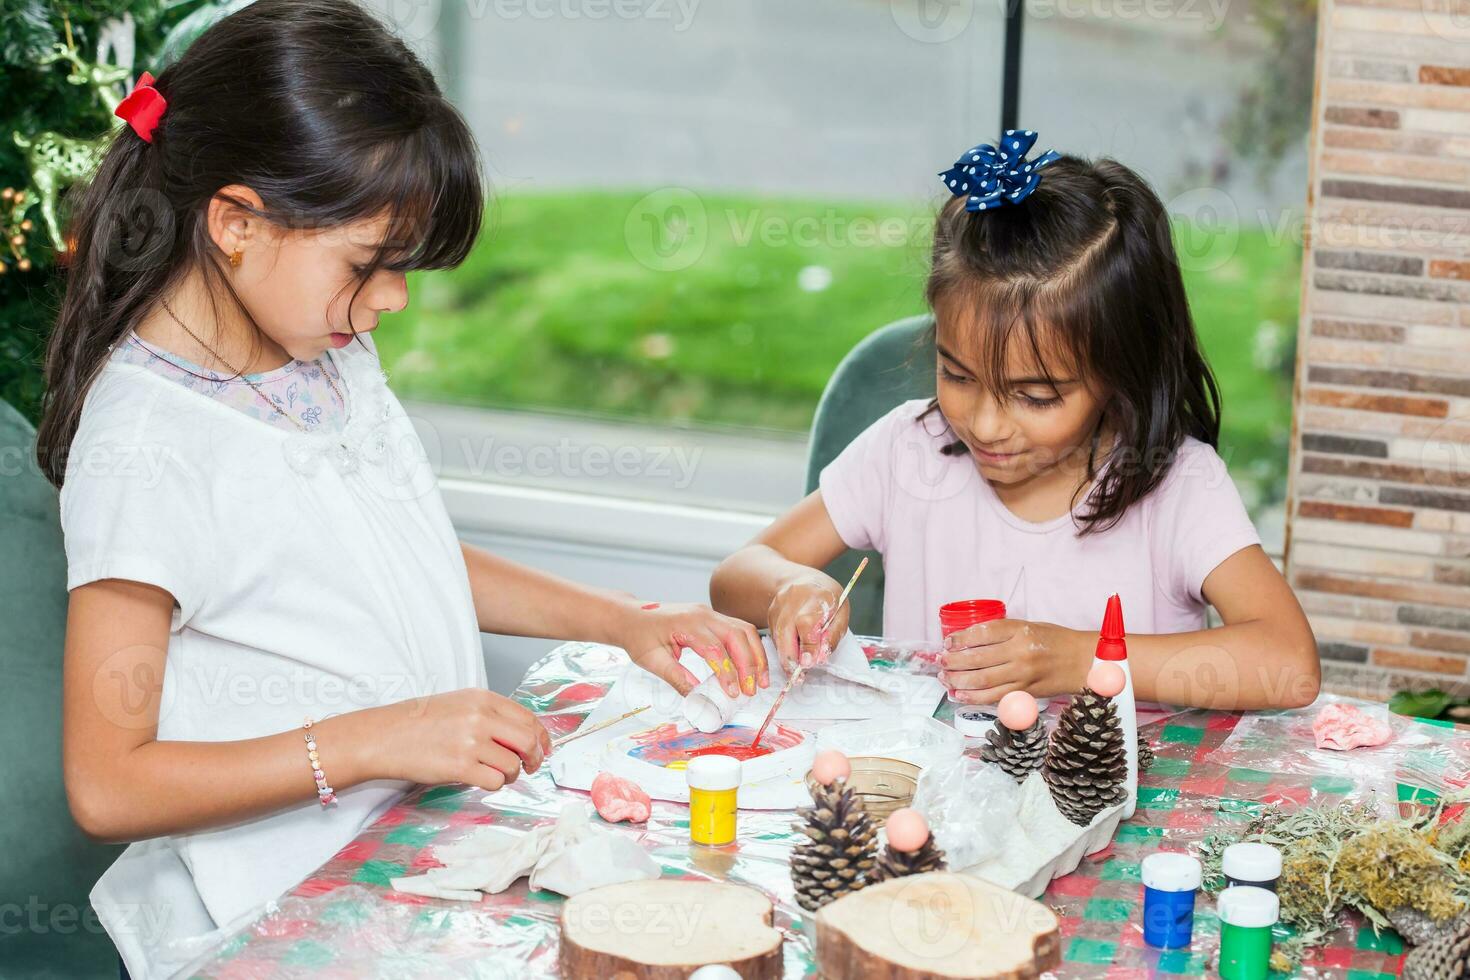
944	536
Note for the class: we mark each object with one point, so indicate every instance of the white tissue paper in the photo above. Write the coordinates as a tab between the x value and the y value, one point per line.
708	708
567	857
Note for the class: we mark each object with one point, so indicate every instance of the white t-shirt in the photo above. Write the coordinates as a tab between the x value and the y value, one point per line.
315	574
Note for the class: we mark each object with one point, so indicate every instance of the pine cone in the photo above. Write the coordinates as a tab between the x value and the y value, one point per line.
1018	753
1419	929
1086	766
897	864
841	850
1447	958
1145	754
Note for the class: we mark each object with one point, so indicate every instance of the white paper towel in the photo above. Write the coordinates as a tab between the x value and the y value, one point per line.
708	708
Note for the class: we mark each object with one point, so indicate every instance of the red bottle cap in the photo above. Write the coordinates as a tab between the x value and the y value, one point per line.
955	616
1110	642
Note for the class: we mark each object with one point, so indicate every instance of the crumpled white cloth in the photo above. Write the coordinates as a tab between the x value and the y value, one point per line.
567	857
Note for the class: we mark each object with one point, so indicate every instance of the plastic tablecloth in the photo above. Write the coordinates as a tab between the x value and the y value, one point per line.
345	920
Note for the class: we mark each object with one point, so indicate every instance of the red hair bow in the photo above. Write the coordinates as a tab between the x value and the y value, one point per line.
143	107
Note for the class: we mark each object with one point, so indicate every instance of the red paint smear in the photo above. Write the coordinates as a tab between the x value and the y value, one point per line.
741	752
666	743
649	605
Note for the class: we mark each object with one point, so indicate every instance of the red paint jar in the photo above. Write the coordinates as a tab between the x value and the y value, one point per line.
955	616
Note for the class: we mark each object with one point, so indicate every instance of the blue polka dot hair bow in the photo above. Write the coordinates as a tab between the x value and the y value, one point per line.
988	176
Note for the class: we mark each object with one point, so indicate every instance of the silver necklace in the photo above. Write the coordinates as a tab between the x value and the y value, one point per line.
263	396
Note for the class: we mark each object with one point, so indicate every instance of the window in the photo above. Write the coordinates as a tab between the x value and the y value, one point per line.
699	208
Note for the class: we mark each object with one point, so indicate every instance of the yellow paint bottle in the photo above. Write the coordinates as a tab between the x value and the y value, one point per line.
714	783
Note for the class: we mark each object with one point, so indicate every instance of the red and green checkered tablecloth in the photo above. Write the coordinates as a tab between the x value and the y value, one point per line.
345	920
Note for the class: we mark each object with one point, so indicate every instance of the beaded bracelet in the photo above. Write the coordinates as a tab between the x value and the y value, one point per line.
325	794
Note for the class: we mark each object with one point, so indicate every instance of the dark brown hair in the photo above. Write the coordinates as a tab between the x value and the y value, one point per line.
315	106
1085	268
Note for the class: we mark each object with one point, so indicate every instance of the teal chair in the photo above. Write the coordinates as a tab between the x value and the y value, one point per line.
47	865
890	366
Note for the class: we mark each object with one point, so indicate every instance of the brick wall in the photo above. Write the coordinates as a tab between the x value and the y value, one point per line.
1378	537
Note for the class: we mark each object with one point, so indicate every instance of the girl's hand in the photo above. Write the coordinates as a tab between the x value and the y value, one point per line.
469	736
985	662
797	613
656	632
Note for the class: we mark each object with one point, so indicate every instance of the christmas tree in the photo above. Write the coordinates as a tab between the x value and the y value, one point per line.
64	66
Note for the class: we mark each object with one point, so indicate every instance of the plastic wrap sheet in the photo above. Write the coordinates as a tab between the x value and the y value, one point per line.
1421	754
346	921
969	805
916	658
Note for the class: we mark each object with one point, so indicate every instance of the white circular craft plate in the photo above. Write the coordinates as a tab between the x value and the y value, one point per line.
783	764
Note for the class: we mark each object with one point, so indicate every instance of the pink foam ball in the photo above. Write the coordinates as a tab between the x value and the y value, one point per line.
1017	711
907	830
830	765
1106	679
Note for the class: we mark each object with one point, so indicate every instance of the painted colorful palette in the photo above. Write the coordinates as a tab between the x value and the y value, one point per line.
671	747
663	753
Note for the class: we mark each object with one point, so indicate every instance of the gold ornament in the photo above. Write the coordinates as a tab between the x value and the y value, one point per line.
55	162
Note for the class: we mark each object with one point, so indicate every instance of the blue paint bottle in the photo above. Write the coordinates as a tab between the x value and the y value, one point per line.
1170	882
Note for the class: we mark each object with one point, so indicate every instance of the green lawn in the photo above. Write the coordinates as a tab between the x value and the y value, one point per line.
554	309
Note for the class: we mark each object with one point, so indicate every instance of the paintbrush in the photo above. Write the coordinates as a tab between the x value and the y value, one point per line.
796	674
558	742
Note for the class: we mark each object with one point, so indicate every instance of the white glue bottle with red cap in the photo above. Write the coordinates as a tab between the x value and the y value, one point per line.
1113	648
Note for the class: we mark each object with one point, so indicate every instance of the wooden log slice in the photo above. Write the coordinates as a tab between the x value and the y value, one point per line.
940	924
665	930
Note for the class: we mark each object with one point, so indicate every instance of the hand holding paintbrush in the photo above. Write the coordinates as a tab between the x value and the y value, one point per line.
806	617
795	675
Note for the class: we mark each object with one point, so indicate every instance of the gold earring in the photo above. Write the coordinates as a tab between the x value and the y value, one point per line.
236	257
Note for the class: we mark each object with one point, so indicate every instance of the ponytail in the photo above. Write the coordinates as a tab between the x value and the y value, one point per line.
118	265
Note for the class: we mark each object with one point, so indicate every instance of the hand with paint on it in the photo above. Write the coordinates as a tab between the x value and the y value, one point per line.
654	634
797	613
983	663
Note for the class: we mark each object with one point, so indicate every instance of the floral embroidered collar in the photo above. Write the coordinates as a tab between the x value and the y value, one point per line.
364	435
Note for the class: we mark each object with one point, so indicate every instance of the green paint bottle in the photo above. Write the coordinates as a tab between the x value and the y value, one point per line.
1247	914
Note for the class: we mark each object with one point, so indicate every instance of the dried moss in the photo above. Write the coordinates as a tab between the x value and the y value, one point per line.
1390	865
1305	888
